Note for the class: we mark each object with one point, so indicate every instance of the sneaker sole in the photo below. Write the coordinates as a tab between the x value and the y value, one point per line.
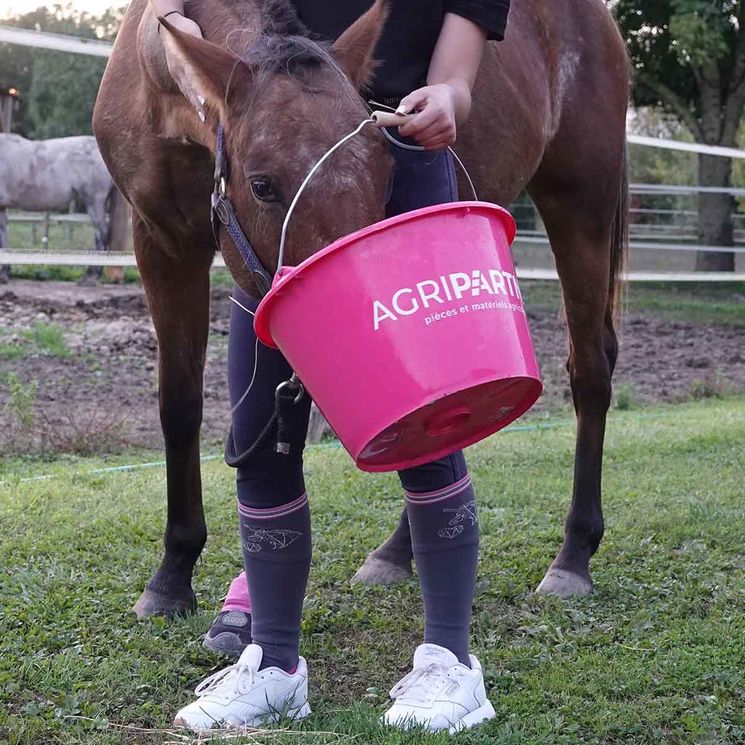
226	643
295	714
473	718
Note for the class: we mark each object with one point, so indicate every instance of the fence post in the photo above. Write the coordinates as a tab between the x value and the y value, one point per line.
70	225
45	231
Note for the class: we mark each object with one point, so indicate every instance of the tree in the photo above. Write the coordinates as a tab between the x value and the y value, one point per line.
63	91
688	56
58	90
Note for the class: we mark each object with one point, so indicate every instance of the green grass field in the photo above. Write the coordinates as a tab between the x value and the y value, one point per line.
656	655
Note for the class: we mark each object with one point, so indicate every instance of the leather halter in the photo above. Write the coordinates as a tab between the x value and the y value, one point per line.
223	213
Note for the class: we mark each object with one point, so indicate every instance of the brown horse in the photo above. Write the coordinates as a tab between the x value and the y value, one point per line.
548	116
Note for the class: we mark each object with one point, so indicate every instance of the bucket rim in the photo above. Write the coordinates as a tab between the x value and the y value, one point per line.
286	273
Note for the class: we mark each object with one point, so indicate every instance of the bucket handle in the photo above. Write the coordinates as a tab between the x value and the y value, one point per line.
380	119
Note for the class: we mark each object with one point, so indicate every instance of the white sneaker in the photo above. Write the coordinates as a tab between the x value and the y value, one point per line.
244	696
439	693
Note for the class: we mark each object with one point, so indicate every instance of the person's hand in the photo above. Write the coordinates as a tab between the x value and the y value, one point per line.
180	70
432	120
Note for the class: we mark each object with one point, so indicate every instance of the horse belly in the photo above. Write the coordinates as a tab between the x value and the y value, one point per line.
503	141
43	189
501	150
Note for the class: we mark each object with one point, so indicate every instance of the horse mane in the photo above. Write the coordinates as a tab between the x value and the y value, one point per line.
280	17
273	53
284	44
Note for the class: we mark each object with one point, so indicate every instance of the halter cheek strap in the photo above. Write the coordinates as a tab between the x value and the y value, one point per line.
223	214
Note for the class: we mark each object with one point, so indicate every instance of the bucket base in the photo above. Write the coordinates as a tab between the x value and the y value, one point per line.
449	424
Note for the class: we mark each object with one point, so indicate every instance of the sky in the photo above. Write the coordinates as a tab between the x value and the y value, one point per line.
13	7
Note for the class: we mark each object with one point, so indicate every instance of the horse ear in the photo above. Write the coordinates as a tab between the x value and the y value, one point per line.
211	68
355	48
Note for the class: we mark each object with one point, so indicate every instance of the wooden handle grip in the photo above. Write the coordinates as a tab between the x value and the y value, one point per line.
388	119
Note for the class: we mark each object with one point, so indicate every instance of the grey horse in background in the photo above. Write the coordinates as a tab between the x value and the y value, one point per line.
46	175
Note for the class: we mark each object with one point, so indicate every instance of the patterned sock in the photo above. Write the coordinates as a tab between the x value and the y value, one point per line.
237	597
445	541
276	554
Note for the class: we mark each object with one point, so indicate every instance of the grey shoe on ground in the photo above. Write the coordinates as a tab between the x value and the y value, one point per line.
229	634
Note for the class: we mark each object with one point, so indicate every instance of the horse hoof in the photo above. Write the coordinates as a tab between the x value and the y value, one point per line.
564	583
154	604
377	571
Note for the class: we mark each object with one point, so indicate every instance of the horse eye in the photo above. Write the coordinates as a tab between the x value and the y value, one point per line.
262	189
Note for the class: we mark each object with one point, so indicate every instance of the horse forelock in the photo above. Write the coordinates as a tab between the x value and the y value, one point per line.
280	17
307	62
295	54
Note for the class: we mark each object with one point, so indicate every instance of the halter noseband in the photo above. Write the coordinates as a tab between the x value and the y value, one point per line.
223	213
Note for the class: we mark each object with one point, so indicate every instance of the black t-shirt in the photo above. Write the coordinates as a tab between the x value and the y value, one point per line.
409	36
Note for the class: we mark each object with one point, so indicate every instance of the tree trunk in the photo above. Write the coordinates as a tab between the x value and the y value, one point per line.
6	112
715	227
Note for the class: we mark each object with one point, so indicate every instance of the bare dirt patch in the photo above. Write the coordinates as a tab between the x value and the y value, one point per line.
108	361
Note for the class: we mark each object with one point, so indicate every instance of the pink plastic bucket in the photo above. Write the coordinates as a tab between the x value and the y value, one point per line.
410	335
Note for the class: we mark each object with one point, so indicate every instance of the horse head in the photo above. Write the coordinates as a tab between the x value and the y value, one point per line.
282	102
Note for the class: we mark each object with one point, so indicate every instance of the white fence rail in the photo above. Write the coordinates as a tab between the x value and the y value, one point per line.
76	45
57	42
87	258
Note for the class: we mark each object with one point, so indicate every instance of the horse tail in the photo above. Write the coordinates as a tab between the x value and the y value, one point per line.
119	222
619	238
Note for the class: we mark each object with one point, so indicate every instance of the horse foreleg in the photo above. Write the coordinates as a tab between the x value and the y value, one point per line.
582	251
178	297
5	268
3	228
391	561
97	212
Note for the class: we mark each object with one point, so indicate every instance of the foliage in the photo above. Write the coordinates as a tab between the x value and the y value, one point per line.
28	427
48	338
57	90
653	165
62	93
654	656
21	403
624	396
689	57
41	338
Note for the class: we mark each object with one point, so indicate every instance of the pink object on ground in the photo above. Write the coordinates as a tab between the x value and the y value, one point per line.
237	598
410	335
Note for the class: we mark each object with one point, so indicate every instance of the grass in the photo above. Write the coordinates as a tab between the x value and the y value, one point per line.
41	338
46	272
75	236
689	302
656	655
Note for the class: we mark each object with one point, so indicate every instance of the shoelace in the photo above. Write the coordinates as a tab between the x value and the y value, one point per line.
426	679
220	679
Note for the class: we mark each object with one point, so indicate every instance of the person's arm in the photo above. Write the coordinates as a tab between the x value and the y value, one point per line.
446	99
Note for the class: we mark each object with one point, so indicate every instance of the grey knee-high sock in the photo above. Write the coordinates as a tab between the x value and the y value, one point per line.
276	554
445	541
